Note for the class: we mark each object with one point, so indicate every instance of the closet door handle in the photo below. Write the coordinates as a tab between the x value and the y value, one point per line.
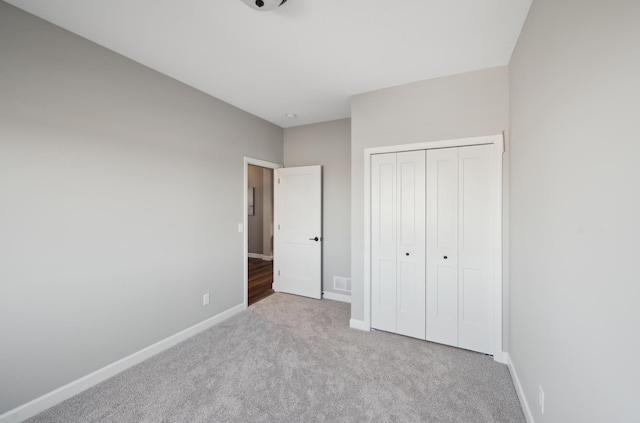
445	257
407	253
314	239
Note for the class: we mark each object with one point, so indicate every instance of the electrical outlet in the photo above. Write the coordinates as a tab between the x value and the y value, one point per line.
205	299
541	398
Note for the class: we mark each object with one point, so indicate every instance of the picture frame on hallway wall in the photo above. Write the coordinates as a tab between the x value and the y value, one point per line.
250	197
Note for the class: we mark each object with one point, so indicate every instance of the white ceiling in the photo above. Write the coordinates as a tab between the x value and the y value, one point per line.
308	56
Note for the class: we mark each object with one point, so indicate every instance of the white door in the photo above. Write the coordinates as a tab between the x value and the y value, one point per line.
298	237
442	246
383	242
475	248
398	243
459	249
411	244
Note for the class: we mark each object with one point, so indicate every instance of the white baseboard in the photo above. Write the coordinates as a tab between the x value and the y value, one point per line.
336	297
260	256
67	391
501	357
359	324
516	382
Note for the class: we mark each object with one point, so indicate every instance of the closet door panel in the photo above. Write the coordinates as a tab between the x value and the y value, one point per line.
475	200
383	242
442	246
411	244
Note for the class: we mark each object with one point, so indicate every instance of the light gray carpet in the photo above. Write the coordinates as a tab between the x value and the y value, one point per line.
292	359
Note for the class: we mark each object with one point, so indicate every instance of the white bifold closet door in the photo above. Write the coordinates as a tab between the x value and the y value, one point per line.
431	245
459	247
398	247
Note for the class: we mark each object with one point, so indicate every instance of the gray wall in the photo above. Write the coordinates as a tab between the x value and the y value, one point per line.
260	224
575	184
255	222
121	192
466	105
267	212
327	144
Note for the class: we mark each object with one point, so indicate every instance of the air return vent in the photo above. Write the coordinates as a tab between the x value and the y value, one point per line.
342	284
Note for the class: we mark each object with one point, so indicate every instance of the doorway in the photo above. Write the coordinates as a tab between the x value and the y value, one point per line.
258	233
260	208
291	232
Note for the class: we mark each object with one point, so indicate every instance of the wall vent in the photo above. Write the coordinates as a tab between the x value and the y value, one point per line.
342	284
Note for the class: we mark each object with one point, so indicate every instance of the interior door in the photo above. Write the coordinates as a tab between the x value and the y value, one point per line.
298	221
383	242
411	244
398	242
459	246
475	249
442	246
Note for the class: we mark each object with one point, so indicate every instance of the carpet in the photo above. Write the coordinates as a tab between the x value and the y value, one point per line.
293	359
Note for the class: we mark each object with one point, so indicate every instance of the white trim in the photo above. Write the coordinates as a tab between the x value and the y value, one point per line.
245	219
516	382
336	297
460	142
260	256
366	323
498	142
496	268
359	324
67	391
501	357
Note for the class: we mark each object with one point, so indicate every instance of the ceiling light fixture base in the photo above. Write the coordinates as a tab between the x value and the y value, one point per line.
264	5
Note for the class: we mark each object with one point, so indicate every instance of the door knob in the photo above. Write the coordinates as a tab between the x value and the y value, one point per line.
314	239
445	257
407	253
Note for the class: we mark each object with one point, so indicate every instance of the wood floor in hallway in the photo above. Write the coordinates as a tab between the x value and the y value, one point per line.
260	279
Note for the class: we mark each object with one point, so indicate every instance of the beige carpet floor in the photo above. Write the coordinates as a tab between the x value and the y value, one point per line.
293	359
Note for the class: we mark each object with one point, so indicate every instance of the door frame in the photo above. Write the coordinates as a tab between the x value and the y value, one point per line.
245	223
497	241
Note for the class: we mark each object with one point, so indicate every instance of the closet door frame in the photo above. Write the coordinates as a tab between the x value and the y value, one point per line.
496	269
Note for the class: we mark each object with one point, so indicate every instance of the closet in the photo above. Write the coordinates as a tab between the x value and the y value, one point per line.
431	244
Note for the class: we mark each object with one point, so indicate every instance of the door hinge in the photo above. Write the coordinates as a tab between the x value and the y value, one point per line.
278	226
278	180
278	273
